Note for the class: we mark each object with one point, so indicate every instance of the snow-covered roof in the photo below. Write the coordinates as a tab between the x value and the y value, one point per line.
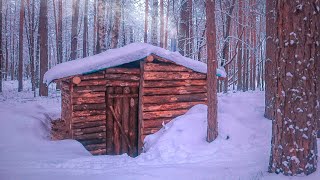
117	57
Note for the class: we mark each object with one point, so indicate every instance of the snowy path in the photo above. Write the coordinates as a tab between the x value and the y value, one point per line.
178	152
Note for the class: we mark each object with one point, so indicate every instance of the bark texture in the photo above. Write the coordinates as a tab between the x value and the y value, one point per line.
212	131
101	38
294	142
43	23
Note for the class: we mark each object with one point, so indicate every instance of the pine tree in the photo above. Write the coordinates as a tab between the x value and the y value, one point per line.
74	30
212	64
20	65
101	37
294	141
43	30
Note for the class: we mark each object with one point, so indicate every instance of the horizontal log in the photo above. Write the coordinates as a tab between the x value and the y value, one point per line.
155	123
88	113
123	71
170	106
80	125
93	141
90	136
122	83
177	83
76	80
89	94
165	68
89	130
88	100
83	89
161	99
98	152
92	76
93	147
175	90
155	76
162	59
123	95
95	82
82	107
89	118
147	131
124	77
163	114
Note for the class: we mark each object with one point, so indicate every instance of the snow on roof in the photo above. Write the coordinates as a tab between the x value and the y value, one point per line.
117	57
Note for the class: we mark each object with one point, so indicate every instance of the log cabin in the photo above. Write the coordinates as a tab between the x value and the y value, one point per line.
113	100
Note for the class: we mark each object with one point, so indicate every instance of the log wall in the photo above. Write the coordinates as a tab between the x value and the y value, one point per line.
168	90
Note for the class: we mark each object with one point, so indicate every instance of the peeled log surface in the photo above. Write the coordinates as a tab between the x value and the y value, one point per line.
96	82
93	147
155	123
92	141
92	76
88	113
98	152
83	89
89	130
101	135
83	107
88	124
123	71
125	77
161	99
165	68
173	76
122	83
178	83
89	94
175	90
163	114
147	131
88	100
89	118
170	106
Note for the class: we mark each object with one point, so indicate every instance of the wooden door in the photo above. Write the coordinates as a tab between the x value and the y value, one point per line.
122	120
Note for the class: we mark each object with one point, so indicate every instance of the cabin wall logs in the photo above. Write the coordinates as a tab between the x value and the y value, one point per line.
167	91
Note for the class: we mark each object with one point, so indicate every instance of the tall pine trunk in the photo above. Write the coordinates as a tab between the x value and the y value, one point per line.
101	37
116	25
212	131
74	29
20	65
146	16
294	141
43	30
85	31
154	23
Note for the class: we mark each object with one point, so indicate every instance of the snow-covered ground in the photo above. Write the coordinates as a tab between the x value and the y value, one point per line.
178	151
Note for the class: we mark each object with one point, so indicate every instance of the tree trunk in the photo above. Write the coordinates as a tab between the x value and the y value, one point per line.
85	31
240	48
116	25
183	28
1	53
20	66
154	23
74	30
269	64
294	141
101	38
60	41
212	131
146	16
43	29
161	24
